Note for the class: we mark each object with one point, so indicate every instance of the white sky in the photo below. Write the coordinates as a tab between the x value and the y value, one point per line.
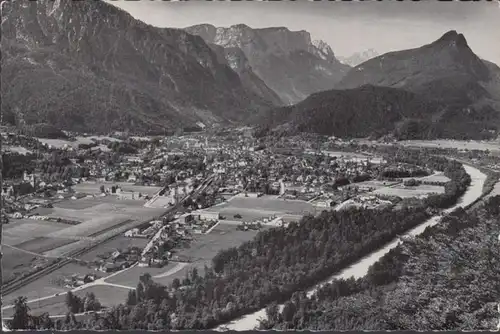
347	27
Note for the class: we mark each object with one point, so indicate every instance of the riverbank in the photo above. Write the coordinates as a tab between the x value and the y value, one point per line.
360	268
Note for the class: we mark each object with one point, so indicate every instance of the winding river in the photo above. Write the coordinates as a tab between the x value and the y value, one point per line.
360	268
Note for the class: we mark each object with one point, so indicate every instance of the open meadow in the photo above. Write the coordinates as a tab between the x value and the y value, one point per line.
107	295
130	277
201	251
96	215
60	143
49	285
407	192
458	144
19	231
95	187
16	262
262	207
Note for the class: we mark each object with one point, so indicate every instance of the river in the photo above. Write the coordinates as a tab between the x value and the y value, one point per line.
360	268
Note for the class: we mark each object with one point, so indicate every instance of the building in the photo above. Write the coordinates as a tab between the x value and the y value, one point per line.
109	267
327	203
207	215
184	219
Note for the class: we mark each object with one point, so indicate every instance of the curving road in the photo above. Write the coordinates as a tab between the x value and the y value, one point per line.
360	268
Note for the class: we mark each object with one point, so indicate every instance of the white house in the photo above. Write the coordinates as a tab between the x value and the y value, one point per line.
207	215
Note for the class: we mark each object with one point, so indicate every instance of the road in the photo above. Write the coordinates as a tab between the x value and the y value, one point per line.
360	268
84	247
100	281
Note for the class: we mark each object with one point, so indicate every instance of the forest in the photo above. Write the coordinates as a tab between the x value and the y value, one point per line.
270	268
447	278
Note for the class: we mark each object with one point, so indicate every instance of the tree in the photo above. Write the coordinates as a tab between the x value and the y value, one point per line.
131	298
91	303
21	319
72	302
176	283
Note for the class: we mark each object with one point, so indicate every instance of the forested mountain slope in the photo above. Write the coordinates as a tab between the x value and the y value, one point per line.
89	66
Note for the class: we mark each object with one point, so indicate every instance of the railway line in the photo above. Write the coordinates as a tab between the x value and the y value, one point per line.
12	286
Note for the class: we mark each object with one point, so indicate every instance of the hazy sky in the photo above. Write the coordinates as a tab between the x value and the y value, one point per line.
348	27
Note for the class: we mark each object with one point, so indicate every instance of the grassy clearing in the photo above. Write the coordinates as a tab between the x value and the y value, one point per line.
206	246
131	276
458	144
95	187
107	295
262	207
43	244
22	230
404	192
16	263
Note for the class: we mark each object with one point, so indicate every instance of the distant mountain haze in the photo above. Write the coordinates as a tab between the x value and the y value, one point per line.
441	90
89	66
358	57
289	62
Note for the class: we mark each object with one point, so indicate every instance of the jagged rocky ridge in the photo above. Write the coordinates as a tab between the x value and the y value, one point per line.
89	66
457	96
289	62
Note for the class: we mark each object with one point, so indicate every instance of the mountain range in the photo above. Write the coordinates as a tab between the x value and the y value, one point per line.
289	62
358	57
442	90
88	66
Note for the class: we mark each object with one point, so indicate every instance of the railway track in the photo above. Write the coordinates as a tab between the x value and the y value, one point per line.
64	260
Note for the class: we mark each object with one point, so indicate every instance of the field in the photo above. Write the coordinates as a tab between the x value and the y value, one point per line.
374	184
19	231
131	276
16	262
406	192
59	143
96	214
458	144
41	245
17	149
107	295
262	207
94	187
202	249
46	285
438	177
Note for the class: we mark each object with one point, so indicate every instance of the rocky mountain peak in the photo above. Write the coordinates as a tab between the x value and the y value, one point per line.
452	38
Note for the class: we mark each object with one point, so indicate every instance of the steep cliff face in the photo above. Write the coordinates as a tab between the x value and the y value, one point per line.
238	62
88	66
289	63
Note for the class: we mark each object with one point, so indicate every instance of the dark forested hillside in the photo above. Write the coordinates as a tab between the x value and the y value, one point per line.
441	90
446	279
445	71
89	66
360	112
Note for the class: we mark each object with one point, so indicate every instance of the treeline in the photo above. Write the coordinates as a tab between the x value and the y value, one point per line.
454	170
447	278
